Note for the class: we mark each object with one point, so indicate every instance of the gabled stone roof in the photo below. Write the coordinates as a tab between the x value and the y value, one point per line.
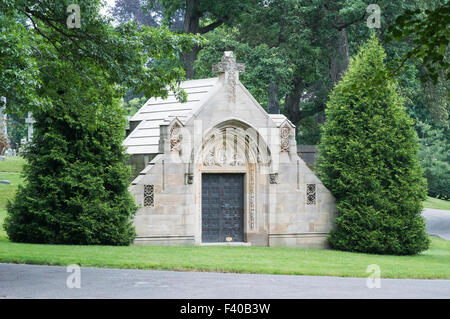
279	119
144	139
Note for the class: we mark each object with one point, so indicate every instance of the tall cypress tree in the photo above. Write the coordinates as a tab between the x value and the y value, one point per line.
368	160
76	178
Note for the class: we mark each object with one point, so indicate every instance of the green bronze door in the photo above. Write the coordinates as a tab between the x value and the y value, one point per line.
222	208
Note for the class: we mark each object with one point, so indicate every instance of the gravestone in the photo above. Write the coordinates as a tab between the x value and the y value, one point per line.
3	117
30	121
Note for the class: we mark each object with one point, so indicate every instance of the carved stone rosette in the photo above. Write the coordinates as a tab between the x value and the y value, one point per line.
284	138
310	194
175	138
210	159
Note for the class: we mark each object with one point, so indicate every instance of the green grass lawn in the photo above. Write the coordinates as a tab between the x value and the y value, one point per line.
434	263
10	169
7	190
436	203
12	164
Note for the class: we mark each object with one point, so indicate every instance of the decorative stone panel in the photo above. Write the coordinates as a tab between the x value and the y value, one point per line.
273	178
310	194
251	194
219	156
284	138
149	195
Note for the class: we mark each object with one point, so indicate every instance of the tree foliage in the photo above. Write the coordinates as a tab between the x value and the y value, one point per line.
131	10
136	57
258	60
434	156
76	188
18	66
430	33
133	105
299	50
200	17
17	129
313	41
295	51
368	160
76	178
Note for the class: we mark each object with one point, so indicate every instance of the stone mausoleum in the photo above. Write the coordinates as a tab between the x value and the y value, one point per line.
218	169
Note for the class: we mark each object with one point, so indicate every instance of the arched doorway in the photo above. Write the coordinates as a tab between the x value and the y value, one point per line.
233	156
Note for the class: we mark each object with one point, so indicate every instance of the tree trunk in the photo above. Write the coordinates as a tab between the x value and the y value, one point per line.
189	60
292	103
191	25
340	60
273	103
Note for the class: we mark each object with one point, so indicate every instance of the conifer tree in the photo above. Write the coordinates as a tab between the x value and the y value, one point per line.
368	160
76	178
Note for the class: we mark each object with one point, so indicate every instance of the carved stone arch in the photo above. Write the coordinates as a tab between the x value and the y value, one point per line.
228	147
235	147
234	138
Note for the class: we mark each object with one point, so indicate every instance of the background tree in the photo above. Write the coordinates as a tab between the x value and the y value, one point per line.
296	52
19	73
428	29
76	179
131	10
258	60
201	17
315	40
133	105
76	189
434	156
151	15
368	160
17	129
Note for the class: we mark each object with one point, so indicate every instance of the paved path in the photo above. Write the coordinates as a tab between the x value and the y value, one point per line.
28	281
437	222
